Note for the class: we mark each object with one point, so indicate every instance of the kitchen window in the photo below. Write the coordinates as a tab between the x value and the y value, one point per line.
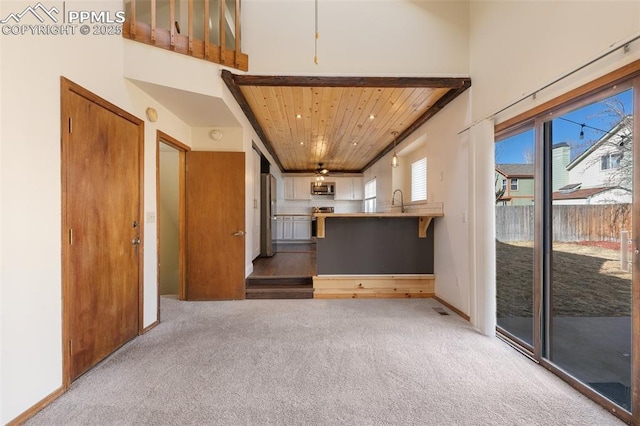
370	196
419	180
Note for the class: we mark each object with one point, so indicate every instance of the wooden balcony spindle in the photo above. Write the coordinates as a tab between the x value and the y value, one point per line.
153	21
222	32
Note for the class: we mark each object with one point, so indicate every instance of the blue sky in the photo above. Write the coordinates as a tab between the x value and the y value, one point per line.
517	149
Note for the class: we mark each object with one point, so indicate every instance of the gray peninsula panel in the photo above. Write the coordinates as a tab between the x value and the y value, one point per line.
374	245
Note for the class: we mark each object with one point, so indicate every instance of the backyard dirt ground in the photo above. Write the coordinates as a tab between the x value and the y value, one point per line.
587	280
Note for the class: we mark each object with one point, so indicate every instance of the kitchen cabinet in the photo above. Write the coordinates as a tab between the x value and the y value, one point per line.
297	188
287	227
279	228
349	188
293	228
301	228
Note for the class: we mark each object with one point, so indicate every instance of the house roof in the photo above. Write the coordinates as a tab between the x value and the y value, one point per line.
614	131
515	170
582	194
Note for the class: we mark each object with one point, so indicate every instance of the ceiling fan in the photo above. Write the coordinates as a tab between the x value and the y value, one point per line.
321	172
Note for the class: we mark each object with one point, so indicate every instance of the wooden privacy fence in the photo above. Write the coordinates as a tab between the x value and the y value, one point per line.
600	222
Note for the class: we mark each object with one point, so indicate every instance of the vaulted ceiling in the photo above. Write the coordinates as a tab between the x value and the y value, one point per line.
344	123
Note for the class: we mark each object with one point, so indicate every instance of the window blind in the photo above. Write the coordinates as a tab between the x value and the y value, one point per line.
370	196
419	180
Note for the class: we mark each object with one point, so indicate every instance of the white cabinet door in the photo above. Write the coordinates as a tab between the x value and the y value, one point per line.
301	228
348	188
302	188
358	188
297	188
287	227
279	228
289	188
344	190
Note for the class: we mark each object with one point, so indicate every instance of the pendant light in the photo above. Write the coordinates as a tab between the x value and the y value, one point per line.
394	159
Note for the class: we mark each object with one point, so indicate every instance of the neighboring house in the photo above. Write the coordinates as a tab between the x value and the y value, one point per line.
514	184
600	175
600	195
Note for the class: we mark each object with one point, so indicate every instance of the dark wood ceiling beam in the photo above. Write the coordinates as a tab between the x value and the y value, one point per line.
228	79
384	82
441	103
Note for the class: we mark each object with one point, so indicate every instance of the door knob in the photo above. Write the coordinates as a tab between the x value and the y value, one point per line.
135	241
238	234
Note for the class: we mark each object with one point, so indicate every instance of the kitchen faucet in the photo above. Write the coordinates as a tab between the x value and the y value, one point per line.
393	200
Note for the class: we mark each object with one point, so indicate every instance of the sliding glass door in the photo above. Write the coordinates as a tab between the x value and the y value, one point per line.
514	188
589	286
567	283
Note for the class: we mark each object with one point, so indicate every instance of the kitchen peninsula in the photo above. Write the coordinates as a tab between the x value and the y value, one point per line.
375	254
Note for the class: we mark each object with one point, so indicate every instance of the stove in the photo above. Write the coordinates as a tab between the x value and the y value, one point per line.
314	224
322	209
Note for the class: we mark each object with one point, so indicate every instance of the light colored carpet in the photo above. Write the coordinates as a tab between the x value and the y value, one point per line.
318	362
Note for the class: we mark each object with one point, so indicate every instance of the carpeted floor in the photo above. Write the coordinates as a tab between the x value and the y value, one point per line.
318	362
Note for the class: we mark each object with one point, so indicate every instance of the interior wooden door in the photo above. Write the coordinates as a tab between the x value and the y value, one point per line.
215	220
102	230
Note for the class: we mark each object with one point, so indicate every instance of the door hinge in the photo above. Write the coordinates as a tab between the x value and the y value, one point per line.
70	236
70	125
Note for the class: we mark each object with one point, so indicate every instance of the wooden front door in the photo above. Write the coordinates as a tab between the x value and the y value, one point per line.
101	152
215	225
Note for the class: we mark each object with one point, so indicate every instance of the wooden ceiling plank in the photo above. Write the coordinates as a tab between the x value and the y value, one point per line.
337	109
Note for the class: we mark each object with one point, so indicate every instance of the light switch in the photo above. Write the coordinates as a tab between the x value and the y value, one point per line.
150	217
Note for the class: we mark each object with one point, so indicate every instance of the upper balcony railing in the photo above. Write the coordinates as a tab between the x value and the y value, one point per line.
205	29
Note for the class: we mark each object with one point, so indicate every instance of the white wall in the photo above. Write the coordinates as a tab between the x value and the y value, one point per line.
517	47
359	37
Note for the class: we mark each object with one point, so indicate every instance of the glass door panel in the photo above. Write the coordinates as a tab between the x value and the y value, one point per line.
514	192
589	314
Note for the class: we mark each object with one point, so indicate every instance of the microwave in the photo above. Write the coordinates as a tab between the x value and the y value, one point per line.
323	188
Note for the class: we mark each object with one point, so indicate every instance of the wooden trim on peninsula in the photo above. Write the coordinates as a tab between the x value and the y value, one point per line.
373	286
424	220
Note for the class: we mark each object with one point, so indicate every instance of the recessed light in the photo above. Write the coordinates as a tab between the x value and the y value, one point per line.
371	117
354	143
298	116
301	143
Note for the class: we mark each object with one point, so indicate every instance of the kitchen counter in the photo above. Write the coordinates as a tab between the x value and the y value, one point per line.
424	219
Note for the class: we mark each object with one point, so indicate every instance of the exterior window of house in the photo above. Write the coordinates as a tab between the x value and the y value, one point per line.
610	161
504	184
514	184
419	180
370	196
